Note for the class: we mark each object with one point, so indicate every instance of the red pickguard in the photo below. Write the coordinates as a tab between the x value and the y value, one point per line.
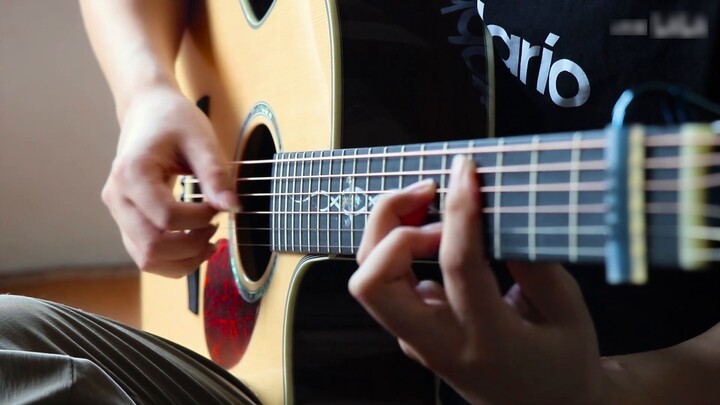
229	320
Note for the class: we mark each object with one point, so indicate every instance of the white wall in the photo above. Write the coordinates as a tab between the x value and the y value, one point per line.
57	140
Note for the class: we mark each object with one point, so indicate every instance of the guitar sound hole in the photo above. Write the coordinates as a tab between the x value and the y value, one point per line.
260	8
253	225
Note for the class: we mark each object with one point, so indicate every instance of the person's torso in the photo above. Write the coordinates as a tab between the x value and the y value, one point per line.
561	66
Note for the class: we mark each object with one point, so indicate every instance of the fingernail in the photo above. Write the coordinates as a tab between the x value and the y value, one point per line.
209	251
432	227
421	186
460	166
228	201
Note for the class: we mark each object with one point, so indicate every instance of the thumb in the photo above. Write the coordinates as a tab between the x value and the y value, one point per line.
202	153
551	291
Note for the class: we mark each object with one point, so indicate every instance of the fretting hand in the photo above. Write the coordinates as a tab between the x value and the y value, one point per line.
534	345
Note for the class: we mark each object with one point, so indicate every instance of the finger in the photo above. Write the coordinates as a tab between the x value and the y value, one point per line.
173	246
147	244
154	199
550	291
181	268
206	162
431	292
518	303
410	351
470	285
391	210
381	283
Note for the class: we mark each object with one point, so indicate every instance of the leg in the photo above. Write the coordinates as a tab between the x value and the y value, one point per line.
55	351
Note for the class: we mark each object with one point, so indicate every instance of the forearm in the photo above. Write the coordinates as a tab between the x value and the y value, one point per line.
135	42
686	373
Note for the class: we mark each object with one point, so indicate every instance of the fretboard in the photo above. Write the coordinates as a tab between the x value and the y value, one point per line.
544	197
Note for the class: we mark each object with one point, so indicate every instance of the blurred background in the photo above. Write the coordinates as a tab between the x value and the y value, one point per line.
57	140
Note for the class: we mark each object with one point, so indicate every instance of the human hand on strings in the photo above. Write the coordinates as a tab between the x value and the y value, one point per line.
536	344
163	134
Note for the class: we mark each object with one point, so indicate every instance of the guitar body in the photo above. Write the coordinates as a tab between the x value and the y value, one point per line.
280	76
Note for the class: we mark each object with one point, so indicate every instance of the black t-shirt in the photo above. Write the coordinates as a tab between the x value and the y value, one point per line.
560	66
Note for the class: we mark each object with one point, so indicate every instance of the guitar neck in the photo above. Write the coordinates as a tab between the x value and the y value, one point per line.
570	197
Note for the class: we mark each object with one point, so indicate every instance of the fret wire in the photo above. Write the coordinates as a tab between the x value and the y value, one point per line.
497	241
319	180
289	201
340	203
421	164
384	165
443	166
367	195
285	201
402	167
302	170
352	218
328	210
274	200
532	198
573	199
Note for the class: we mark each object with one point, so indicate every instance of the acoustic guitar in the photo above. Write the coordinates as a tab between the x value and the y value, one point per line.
323	107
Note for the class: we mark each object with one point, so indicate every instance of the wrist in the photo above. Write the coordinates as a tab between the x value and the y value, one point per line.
146	78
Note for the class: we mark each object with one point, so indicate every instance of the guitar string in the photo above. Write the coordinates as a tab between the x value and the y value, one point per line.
651	141
711	211
557	253
696	232
664	162
709	254
652	163
669	185
673	185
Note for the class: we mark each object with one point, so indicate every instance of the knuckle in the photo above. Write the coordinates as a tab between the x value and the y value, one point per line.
141	260
452	263
216	176
106	194
147	252
129	168
121	169
382	206
402	235
164	219
358	285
